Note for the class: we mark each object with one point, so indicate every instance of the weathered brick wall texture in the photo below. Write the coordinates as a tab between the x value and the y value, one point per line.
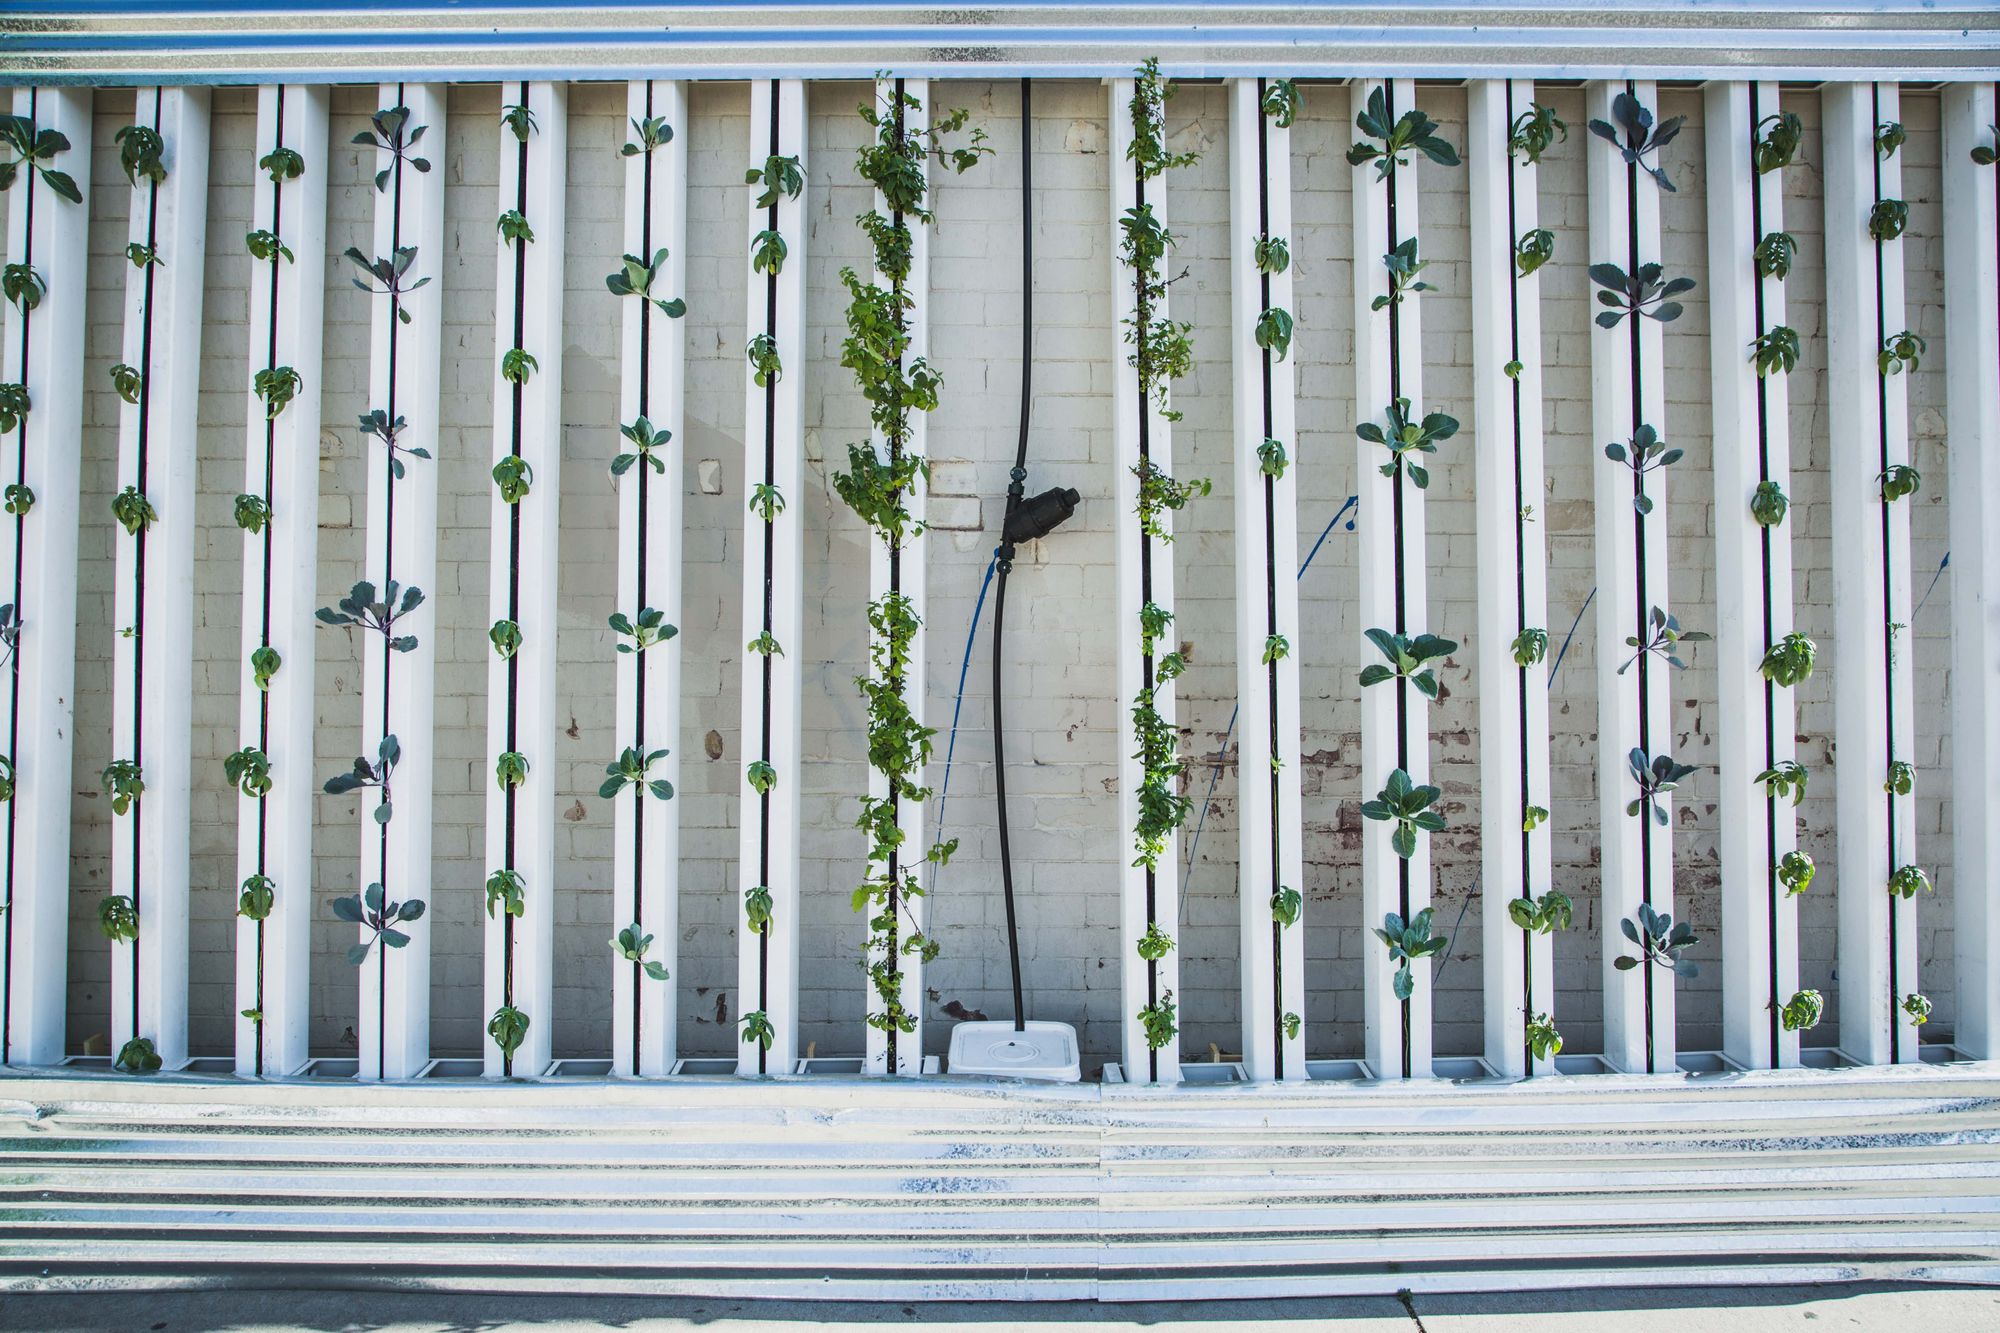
1060	645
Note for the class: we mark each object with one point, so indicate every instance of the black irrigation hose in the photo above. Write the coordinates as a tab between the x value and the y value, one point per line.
1771	812
20	556
1017	483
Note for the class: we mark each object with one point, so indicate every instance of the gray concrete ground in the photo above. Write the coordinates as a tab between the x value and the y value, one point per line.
1822	1309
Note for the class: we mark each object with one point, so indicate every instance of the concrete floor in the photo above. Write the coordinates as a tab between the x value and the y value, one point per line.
1822	1309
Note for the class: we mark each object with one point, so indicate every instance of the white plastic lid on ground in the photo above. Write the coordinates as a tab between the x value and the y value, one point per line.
998	1050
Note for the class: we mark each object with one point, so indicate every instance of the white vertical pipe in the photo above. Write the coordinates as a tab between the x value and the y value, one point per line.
774	568
44	352
910	581
646	831
1515	861
153	592
1634	709
1388	364
521	691
281	586
1753	594
1267	599
397	688
1140	983
1972	406
1868	418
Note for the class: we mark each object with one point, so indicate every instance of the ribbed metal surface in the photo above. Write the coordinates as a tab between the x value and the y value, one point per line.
250	40
858	1189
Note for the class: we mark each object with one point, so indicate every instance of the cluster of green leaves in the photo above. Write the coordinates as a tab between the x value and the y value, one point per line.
1774	255
766	367
1403	265
643	630
264	663
138	1056
1768	504
632	944
1407	808
1656	776
390	432
1534	249
1907	881
1646	452
1544	1041
1917	1008
1663	638
1272	459
506	891
1889	136
1272	254
277	386
636	276
282	164
510	770
1408	659
1408	942
19	500
249	771
1789	661
376	773
509	1028
648	134
646	440
14	406
1161	807
1795	871
1403	437
118	918
631	769
1161	494
1162	347
259	894
1788	777
1900	352
22	287
127	382
123	783
134	512
514	227
36	150
1546	915
1887	219
779	177
1282	102
1803	1011
388	277
389	132
1648	292
1531	646
373	911
1160	1021
1393	142
1534	132
1899	480
1637	138
514	478
1777	350
1987	154
141	153
1778	137
517	364
361	609
757	1028
1661	940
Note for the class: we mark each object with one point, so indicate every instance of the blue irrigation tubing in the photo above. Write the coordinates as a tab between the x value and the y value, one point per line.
971	633
1215	770
1571	635
1934	583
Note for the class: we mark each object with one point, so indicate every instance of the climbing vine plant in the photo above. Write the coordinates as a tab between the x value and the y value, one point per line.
1162	351
878	486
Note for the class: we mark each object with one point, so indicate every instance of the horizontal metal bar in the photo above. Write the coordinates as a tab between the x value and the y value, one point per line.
235	41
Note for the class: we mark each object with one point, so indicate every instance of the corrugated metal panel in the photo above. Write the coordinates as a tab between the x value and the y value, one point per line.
857	1188
243	41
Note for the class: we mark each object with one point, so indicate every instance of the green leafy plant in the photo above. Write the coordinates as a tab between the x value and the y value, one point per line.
1161	494
282	164
6	779
644	630
1774	255
766	366
123	783
127	380
1534	249
1889	136
388	277
1656	776
1407	808
1155	944
1533	818
1663	638
505	636
277	386
252	513
36	150
1917	1008
1408	942
758	907
1900	352
647	134
1544	1042
1273	255
1530	646
1403	437
118	919
22	287
1795	871
778	177
1661	941
520	120
1778	137
757	1028
1546	915
1403	265
140	151
1789	661
517	364
376	773
765	645
1902	779
137	1056
514	478
1788	777
1775	351
513	226
143	256
378	424
1648	292
1276	648
631	769
508	1028
1534	132
249	771
361	610
1274	331
13	406
1162	348
1803	1011
389	132
766	501
1645	452
1899	480
1407	659
1636	137
1413	130
506	891
372	911
1271	459
510	769
1888	218
646	440
20	499
636	277
1987	154
1768	504
1160	1021
761	776
1907	881
264	664
258	896
632	944
1282	102
1287	906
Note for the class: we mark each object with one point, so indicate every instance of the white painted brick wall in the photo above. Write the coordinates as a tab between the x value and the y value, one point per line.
1060	649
